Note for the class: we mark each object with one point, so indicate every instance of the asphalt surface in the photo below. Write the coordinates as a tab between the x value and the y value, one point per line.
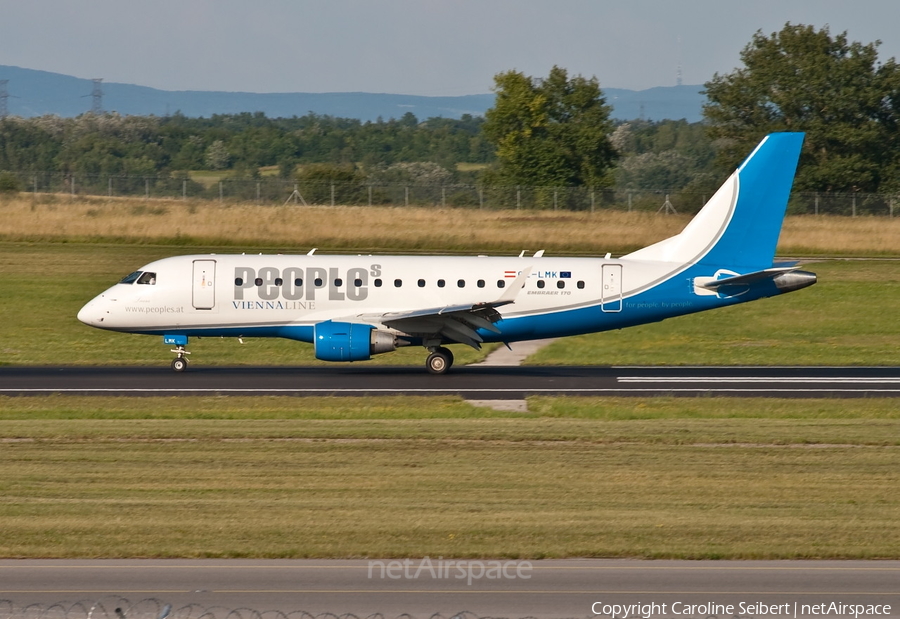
471	382
567	588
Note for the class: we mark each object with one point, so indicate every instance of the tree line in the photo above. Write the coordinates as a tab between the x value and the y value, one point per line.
312	147
240	143
546	132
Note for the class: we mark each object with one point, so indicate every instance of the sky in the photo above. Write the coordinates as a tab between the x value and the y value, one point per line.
418	47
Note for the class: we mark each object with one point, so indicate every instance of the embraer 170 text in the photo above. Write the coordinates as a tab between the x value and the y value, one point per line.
353	307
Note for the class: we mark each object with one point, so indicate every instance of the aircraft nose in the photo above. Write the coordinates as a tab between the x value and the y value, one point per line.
91	314
85	314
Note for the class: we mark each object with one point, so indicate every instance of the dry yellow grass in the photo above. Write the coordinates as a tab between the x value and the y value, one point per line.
349	227
811	234
364	228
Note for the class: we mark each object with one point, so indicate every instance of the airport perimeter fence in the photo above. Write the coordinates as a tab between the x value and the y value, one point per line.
152	608
270	191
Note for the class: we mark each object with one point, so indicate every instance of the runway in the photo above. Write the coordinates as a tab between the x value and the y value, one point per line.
472	382
564	588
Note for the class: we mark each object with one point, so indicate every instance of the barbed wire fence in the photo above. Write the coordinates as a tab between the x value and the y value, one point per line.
153	608
272	191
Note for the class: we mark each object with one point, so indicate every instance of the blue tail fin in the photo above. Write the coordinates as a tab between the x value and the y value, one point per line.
740	225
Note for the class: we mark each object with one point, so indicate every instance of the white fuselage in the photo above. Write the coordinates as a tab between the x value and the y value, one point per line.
247	295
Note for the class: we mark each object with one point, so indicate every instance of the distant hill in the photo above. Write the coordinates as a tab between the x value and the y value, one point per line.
660	103
35	93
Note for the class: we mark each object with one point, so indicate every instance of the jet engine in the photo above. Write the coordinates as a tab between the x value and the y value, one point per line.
348	341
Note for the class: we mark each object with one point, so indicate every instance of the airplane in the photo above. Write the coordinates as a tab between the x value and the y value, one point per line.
353	307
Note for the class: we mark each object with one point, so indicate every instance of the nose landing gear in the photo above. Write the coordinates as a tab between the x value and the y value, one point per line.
180	362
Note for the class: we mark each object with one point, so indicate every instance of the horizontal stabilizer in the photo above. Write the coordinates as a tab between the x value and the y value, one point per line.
747	278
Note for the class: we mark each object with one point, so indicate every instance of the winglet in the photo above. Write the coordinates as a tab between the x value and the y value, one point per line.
510	294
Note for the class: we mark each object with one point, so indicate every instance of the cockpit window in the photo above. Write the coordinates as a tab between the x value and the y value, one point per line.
147	278
130	279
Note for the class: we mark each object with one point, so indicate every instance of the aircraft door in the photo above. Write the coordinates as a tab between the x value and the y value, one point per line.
611	291
204	287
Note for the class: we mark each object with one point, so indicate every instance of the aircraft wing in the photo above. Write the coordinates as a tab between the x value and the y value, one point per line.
457	323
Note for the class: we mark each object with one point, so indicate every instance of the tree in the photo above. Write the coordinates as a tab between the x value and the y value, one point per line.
669	171
666	155
320	182
803	79
217	156
411	173
551	132
9	183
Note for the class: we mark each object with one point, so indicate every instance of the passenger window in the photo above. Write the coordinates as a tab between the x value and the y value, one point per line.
278	281
318	282
238	281
147	278
298	282
461	283
560	284
441	283
338	282
377	283
501	283
540	283
421	283
481	283
258	281
131	278
580	285
357	282
398	283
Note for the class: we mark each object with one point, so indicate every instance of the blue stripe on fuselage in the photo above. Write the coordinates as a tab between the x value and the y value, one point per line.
674	297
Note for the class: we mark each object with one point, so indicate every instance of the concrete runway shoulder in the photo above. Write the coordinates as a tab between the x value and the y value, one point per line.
420	587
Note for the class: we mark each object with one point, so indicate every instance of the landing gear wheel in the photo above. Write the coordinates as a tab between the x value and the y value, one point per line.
438	362
180	364
447	353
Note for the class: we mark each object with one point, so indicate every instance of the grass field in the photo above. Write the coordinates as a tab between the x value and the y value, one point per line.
282	477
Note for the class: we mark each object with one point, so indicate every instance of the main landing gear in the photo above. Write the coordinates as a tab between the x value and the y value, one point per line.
439	361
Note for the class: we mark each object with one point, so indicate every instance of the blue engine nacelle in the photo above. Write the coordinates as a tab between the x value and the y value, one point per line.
347	341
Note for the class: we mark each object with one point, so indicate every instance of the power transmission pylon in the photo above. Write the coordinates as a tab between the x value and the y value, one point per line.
4	97
678	70
97	97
